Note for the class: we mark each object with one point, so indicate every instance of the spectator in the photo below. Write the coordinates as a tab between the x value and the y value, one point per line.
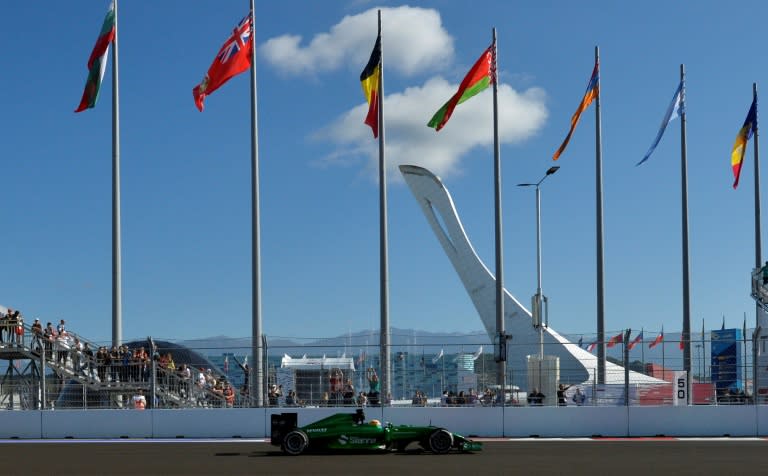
101	364
170	372
374	386
579	397
140	363
561	394
444	398
61	327
336	384
245	389
200	387
536	398
229	395
362	400
3	320
349	393
49	336
16	328
487	398
185	374
272	395
114	363
37	335
139	400
88	358
77	353
290	399
62	347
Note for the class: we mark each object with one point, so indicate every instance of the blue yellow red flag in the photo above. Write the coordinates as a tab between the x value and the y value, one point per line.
745	133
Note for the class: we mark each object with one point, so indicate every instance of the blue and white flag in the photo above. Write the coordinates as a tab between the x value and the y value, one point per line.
674	111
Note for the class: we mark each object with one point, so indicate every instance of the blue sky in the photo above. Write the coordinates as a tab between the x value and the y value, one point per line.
185	174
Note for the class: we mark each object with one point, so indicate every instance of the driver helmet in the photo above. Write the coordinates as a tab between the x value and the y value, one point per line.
375	423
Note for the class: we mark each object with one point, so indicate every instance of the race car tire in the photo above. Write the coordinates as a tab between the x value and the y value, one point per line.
440	441
295	442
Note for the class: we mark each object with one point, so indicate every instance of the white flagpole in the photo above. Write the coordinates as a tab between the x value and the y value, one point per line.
117	295
599	232
501	333
384	337
686	266
257	390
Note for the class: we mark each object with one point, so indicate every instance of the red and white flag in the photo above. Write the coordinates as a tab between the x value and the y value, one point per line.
233	58
658	340
617	339
97	62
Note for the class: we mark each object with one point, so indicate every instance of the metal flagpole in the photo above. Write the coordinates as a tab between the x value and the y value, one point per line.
663	360
758	231
758	242
117	295
501	371
642	349
703	354
385	341
257	384
744	339
599	234
686	267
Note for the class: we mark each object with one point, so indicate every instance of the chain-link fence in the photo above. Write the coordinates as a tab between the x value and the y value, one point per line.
148	374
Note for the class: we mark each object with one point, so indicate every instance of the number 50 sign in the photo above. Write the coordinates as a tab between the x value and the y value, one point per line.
680	388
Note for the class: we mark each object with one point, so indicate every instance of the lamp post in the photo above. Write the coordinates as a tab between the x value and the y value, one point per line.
539	298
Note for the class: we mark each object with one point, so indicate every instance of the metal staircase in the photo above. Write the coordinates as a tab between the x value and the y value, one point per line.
760	288
33	380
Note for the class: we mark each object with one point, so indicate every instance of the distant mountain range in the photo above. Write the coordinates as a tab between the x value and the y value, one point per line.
430	343
352	343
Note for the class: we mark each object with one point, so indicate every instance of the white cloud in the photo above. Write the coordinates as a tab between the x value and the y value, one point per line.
410	141
413	41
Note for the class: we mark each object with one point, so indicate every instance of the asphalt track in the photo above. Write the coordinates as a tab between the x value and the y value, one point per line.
649	457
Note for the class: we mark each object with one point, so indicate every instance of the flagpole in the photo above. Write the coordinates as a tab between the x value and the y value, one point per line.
642	349
599	233
744	338
501	371
758	235
257	386
758	231
117	295
663	360
686	267
704	352
384	337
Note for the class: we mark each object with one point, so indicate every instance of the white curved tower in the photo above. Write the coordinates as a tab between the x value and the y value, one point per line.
576	364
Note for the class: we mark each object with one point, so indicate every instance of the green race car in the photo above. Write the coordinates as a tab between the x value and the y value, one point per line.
350	432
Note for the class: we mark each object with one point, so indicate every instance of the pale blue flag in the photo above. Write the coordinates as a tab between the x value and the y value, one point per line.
673	112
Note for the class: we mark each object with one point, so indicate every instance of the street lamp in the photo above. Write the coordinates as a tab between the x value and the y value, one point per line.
539	299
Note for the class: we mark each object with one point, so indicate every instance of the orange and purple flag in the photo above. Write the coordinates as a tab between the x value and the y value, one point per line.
593	91
745	133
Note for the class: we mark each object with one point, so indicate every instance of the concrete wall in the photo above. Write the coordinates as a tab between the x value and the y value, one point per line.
735	420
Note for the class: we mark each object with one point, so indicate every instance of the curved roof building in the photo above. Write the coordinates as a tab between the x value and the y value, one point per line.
576	364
